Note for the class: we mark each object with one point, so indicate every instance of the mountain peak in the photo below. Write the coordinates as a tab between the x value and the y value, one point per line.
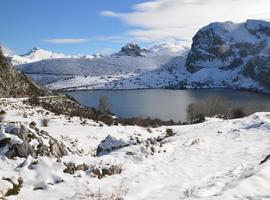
132	49
34	50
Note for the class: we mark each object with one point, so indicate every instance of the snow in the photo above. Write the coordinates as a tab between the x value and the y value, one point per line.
218	159
34	55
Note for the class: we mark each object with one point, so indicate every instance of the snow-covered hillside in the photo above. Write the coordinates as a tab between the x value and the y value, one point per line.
218	159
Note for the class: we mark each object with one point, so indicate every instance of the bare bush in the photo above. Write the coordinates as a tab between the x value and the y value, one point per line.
105	104
169	132
33	125
34	100
119	193
45	122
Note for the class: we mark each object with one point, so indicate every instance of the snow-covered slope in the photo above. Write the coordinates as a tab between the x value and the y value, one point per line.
215	160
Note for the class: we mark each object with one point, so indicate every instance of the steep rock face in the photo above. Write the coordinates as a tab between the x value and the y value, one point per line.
132	50
14	83
228	46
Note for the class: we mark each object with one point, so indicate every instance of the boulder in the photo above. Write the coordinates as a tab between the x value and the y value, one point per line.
110	144
57	149
22	150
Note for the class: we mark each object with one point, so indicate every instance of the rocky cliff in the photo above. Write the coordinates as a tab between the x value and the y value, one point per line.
243	50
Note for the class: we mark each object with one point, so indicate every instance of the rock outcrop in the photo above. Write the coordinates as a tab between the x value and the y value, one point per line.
22	142
132	49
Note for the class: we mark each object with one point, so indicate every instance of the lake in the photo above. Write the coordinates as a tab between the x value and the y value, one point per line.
168	104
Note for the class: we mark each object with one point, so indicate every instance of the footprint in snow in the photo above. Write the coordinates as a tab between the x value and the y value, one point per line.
215	185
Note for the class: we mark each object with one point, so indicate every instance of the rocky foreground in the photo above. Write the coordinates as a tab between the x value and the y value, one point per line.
48	156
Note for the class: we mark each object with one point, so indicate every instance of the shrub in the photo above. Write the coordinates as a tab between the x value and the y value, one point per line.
33	125
107	119
238	113
169	132
198	119
45	122
105	104
16	187
34	100
2	112
145	122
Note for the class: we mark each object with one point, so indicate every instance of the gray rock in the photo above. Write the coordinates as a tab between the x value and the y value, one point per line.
110	144
22	150
57	149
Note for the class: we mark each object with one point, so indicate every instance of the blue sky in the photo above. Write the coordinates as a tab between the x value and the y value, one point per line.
92	26
27	23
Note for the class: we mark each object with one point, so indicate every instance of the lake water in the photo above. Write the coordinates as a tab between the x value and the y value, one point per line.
168	104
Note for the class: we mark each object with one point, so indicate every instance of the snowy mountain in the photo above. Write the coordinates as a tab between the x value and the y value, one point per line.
230	54
37	54
34	55
131	61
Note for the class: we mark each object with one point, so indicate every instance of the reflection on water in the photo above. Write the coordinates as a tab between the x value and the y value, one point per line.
168	104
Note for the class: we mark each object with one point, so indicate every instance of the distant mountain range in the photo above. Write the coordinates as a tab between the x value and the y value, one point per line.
37	54
58	71
233	55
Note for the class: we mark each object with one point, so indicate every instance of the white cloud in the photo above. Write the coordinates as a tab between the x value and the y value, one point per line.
163	19
110	13
66	40
84	40
106	51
